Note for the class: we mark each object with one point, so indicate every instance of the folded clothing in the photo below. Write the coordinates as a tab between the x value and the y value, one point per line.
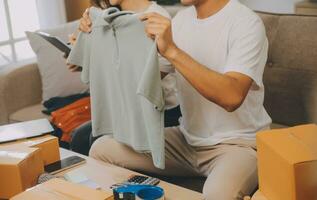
72	116
56	103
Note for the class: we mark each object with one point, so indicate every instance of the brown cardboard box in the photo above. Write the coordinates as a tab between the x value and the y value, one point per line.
47	144
287	163
58	189
20	168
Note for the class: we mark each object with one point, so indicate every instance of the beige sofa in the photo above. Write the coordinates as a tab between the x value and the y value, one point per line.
20	94
290	76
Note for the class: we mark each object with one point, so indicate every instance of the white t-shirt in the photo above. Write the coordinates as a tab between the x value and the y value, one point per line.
232	40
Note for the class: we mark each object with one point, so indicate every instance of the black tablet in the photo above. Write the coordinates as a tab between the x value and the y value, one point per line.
56	42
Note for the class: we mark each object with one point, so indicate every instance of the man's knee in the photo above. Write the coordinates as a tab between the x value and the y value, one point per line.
100	150
223	195
233	176
93	152
230	191
110	151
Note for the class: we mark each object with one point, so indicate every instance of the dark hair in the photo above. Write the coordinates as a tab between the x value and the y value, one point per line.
102	4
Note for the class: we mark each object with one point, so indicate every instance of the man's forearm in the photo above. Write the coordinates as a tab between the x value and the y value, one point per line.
227	90
221	89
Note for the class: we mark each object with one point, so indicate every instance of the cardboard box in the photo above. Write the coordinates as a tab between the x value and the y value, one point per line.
287	163
58	189
47	144
19	169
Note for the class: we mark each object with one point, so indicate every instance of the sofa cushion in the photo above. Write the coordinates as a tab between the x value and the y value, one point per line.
28	113
57	80
290	77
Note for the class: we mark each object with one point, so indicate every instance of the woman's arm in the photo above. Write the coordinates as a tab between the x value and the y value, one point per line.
85	22
72	40
84	26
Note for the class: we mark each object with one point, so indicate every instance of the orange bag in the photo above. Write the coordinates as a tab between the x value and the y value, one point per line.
72	116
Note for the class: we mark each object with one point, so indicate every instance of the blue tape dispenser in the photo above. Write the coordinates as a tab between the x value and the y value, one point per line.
138	192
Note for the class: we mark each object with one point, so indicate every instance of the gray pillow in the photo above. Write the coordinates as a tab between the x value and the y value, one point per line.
57	80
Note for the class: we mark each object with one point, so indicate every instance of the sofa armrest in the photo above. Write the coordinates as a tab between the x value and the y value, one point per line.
19	87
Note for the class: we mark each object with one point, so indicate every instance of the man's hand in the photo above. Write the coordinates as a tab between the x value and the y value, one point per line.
160	28
85	22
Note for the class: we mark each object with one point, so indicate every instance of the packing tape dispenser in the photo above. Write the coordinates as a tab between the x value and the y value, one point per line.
138	192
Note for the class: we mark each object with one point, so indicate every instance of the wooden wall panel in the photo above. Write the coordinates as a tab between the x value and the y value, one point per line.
75	8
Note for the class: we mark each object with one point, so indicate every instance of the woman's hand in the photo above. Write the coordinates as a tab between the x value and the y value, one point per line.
74	68
84	26
85	22
72	40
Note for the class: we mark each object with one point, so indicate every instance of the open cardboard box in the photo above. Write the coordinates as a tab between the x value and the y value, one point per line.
20	168
32	134
58	189
47	144
287	163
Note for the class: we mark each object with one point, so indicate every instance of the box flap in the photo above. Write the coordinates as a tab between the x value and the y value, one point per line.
31	142
297	144
306	180
39	140
309	138
15	155
60	189
22	130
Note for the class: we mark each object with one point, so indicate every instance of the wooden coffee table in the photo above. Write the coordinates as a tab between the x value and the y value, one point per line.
105	175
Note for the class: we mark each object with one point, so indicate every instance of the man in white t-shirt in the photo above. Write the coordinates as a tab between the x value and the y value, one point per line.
218	49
